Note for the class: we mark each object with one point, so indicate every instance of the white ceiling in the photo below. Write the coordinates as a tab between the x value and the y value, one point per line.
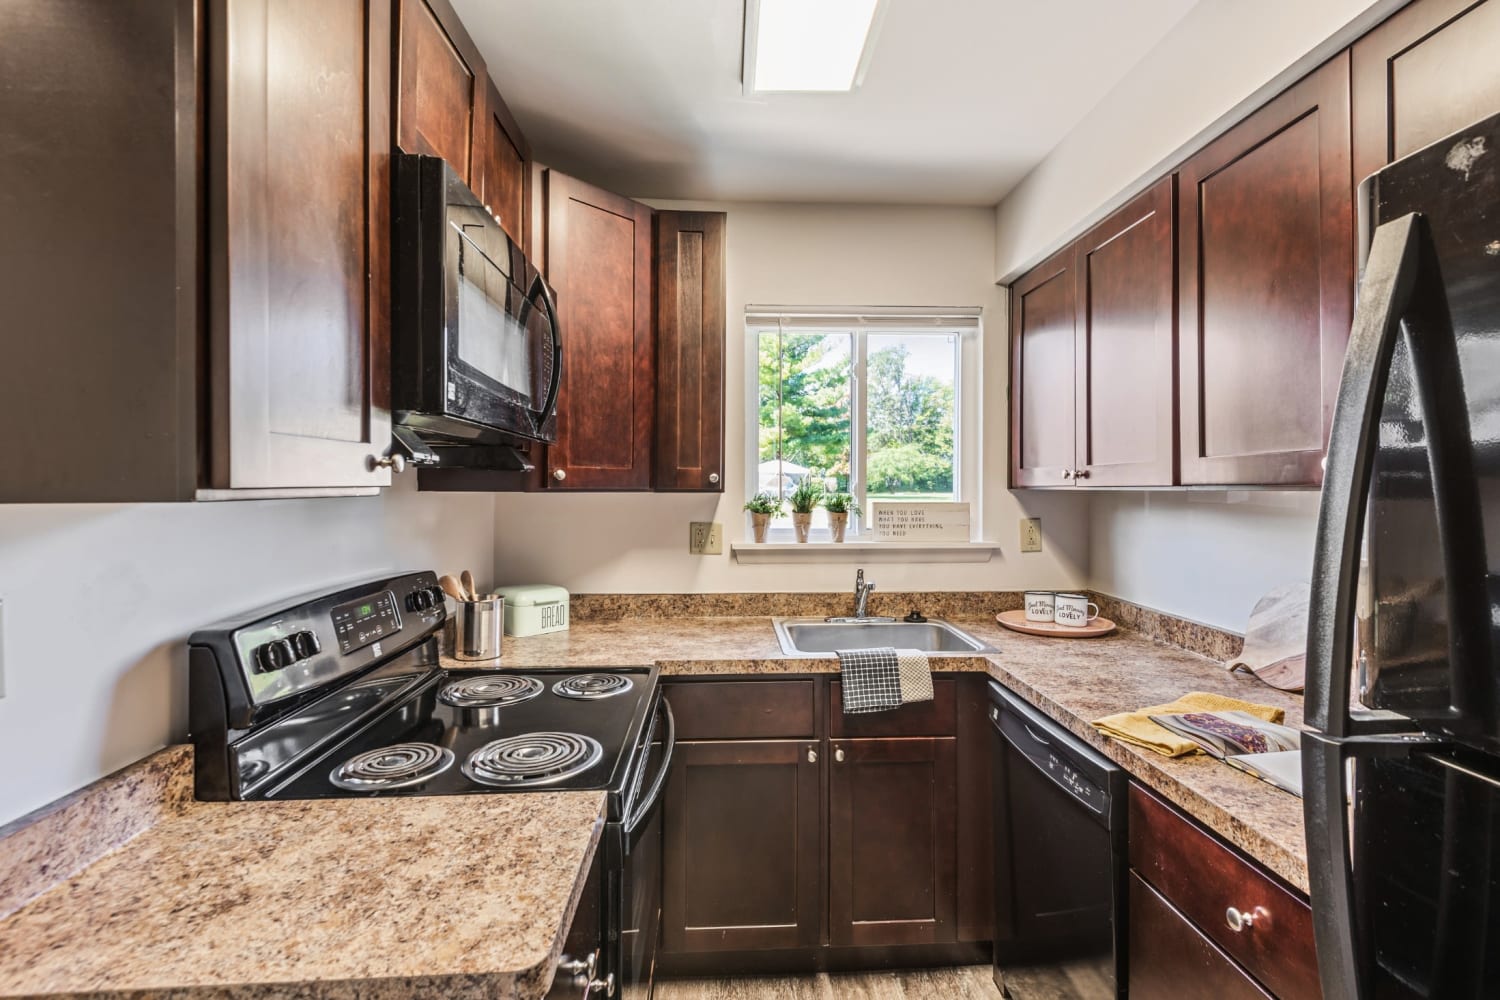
961	99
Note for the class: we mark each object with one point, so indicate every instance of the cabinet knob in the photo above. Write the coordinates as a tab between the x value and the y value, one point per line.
838	754
396	463
1080	473
812	756
1067	473
1240	921
713	477
560	475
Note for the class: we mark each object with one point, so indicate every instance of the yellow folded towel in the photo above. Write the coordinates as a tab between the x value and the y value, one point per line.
1137	728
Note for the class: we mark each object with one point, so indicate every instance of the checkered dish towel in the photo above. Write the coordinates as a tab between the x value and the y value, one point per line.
871	680
875	680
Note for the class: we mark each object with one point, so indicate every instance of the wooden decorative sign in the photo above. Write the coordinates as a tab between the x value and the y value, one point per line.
919	521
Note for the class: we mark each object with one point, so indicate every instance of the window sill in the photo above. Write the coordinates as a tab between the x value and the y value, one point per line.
866	552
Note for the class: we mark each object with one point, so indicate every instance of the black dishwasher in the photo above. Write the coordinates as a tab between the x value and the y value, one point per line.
1060	859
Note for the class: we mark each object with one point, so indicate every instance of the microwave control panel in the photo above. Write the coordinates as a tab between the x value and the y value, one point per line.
359	623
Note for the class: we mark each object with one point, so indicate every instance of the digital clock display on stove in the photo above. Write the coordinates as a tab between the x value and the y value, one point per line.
359	623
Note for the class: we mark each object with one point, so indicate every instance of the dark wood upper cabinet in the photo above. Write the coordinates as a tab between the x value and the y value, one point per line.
892	841
439	84
690	330
742	836
299	284
599	264
1266	285
1042	375
1427	71
1126	346
502	174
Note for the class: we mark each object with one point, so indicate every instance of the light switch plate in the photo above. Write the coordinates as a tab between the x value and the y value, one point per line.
706	538
1031	534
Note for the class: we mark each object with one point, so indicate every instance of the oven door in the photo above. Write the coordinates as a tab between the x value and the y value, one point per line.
640	845
503	351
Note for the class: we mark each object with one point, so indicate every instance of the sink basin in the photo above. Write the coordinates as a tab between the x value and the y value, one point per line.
816	637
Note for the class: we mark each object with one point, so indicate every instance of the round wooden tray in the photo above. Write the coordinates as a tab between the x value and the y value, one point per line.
1016	622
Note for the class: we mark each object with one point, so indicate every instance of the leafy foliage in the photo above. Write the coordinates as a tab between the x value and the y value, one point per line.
808	494
763	503
806	384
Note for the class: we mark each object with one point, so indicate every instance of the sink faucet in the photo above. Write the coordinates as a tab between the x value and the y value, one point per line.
861	594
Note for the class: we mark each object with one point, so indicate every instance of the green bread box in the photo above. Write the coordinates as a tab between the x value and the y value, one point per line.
534	609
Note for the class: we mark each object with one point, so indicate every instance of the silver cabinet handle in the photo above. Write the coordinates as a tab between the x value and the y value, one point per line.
560	475
396	463
1080	473
812	756
605	985
1067	473
838	754
713	477
1240	921
570	966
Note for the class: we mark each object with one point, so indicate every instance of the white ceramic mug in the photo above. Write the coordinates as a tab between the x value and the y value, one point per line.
1075	610
1040	605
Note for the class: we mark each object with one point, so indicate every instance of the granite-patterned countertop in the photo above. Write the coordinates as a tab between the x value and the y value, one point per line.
1073	680
354	899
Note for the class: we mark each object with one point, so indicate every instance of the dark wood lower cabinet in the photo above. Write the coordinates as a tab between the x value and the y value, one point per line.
743	846
892	841
1171	960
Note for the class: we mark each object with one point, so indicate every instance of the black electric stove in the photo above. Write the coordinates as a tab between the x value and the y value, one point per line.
344	695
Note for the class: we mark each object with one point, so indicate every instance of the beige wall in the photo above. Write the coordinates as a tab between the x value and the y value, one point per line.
99	600
805	255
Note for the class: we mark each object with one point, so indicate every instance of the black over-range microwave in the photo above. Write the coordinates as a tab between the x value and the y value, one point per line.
476	357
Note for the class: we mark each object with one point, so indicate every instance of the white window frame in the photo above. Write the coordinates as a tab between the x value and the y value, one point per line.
965	323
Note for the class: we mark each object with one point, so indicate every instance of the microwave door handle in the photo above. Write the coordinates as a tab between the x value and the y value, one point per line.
1384	292
539	290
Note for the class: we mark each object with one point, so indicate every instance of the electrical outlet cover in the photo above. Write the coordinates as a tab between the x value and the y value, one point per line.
1031	534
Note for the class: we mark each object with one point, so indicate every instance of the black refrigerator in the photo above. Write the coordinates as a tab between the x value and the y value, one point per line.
1402	769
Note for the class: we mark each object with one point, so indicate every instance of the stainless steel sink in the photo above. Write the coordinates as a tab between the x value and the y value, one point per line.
819	637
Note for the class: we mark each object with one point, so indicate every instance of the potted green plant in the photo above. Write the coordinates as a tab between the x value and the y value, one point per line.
762	507
839	506
804	500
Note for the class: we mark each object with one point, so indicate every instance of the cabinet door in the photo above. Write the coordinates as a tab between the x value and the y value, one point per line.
690	319
892	841
1042	374
599	264
742	846
1266	288
1427	71
437	87
1171	960
1126	346
501	170
299	217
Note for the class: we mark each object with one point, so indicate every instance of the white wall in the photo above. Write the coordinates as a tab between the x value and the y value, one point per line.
1205	556
805	255
99	599
1222	59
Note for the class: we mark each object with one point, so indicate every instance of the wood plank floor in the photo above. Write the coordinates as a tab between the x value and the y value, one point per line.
971	982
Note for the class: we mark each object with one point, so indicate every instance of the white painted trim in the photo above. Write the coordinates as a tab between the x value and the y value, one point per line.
863	552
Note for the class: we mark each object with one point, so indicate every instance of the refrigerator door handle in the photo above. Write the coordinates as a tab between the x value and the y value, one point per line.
1328	870
1385	290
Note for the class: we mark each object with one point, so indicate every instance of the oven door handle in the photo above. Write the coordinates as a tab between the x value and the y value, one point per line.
539	290
645	807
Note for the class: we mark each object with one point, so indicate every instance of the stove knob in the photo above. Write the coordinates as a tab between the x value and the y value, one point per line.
275	655
438	597
419	600
305	644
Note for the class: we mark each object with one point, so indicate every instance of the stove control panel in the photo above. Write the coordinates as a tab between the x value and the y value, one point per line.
291	649
360	623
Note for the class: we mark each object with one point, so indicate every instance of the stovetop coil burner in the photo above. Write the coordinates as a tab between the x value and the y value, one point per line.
532	759
398	766
591	687
490	691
